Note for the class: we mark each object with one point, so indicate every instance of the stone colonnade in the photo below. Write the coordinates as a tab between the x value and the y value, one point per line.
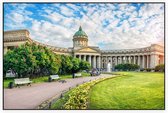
94	60
143	60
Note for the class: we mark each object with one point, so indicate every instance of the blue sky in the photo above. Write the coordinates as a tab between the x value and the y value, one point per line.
108	25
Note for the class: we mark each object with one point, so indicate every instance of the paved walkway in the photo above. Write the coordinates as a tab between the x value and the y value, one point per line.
27	97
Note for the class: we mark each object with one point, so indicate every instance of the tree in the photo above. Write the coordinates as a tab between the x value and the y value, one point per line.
75	63
31	60
66	64
84	65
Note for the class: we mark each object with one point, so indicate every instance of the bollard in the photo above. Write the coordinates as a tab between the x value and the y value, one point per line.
49	105
61	95
10	85
73	75
49	79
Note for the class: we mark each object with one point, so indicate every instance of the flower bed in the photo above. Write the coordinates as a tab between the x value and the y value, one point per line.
78	98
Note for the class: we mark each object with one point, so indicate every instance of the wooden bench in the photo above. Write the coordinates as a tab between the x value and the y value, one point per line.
20	81
78	74
54	77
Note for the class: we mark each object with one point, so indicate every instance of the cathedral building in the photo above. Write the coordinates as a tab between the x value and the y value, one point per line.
147	57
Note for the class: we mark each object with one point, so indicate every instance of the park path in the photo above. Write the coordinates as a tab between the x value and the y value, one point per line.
27	97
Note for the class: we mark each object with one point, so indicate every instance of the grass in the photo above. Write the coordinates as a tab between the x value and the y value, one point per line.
42	79
137	90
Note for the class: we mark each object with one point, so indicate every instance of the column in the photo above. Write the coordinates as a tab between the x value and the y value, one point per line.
134	59
74	56
154	60
106	62
143	61
147	61
94	61
139	60
120	59
111	61
79	57
90	60
99	59
116	60
5	49
125	59
84	58
129	58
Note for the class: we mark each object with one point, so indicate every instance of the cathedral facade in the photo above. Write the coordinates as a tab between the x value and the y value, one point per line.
147	57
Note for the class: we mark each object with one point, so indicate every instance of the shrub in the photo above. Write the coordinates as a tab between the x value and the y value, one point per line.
142	69
160	68
148	69
125	67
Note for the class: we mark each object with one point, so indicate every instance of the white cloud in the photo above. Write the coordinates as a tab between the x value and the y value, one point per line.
66	11
58	30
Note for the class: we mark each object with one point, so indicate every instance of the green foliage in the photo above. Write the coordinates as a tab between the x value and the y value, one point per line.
31	60
160	68
84	65
148	69
127	66
76	65
66	64
72	65
142	69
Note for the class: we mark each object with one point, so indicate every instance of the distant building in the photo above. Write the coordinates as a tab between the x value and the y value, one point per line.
147	57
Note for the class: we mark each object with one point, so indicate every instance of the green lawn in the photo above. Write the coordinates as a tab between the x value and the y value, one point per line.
42	79
137	90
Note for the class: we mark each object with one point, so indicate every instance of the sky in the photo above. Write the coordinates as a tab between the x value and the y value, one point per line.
108	25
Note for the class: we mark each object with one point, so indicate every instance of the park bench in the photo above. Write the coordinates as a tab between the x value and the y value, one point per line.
78	74
54	77
21	81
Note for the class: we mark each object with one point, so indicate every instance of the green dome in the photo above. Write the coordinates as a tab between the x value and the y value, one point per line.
80	32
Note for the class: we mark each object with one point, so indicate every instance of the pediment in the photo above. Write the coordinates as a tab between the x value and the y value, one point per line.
87	50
